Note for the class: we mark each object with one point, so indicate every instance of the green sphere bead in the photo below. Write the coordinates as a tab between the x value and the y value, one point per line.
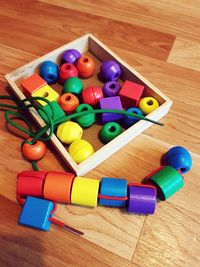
73	85
85	121
109	131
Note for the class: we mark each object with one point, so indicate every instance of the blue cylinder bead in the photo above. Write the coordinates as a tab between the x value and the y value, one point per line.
129	120
49	72
113	192
179	158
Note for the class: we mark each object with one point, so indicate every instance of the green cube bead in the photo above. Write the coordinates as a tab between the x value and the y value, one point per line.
167	181
85	121
73	85
109	131
57	116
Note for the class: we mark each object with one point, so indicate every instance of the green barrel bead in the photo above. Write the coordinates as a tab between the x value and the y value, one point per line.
57	116
109	131
85	121
73	85
167	181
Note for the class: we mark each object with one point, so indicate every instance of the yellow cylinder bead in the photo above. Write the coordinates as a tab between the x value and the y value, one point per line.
69	132
148	104
85	191
80	150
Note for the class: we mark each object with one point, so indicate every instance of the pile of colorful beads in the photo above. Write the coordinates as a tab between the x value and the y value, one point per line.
75	98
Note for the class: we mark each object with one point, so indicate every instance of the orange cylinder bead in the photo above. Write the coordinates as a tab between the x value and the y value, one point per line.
68	102
85	66
35	151
58	185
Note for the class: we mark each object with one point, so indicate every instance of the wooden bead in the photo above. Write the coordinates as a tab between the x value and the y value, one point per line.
86	66
130	94
110	103
68	102
148	104
85	121
92	95
70	56
67	70
80	150
32	84
48	93
49	72
35	151
73	85
69	132
110	131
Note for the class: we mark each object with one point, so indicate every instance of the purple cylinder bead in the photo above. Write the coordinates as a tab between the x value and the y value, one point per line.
70	56
110	71
111	88
141	199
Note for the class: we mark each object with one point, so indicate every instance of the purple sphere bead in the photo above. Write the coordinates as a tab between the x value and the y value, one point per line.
111	88
110	71
70	56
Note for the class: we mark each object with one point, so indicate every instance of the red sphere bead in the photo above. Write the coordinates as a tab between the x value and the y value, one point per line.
35	151
92	95
67	70
85	66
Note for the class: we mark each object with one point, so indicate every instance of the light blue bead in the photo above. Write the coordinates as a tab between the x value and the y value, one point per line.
113	187
129	120
36	213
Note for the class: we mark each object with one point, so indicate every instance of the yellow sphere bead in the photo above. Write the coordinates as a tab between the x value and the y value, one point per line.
148	104
69	132
85	191
80	150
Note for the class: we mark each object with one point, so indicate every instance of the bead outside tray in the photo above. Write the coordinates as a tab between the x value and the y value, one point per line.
91	45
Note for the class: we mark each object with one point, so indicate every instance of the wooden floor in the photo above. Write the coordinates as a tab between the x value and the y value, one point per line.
161	40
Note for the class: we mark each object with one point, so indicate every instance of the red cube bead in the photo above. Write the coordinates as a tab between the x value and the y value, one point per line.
92	95
32	84
67	70
130	94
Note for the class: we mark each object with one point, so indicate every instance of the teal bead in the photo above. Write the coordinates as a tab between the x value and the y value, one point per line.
57	116
109	131
85	121
73	85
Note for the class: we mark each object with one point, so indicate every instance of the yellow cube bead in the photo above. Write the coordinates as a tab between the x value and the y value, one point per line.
69	132
46	92
85	191
80	150
148	104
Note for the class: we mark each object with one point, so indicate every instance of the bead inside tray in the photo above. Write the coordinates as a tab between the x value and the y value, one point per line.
90	45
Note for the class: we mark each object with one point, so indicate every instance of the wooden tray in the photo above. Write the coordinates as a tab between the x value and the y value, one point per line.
88	44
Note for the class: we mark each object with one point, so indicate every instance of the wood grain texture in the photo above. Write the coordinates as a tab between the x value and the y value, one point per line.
160	39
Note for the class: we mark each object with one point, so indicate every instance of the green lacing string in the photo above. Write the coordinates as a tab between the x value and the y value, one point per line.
21	106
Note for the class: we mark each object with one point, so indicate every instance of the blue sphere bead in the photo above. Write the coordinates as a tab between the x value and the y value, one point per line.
179	158
129	120
49	72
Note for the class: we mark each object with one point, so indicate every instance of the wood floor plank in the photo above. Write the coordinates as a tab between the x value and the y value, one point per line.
180	18
44	248
185	53
38	23
170	238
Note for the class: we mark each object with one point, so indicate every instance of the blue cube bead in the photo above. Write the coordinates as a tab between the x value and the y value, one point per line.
129	120
113	187
36	213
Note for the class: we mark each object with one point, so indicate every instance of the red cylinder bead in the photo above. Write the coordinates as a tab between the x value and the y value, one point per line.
92	95
67	70
86	66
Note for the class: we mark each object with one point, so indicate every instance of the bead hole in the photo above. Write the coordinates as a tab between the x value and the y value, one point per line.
51	77
84	109
112	129
112	86
68	67
183	169
45	94
150	102
116	75
85	60
68	98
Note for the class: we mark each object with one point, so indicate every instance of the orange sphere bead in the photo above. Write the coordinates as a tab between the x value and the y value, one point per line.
35	151
68	102
85	66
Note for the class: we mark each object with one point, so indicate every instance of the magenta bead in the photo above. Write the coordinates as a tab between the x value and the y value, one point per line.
70	56
110	71
111	88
